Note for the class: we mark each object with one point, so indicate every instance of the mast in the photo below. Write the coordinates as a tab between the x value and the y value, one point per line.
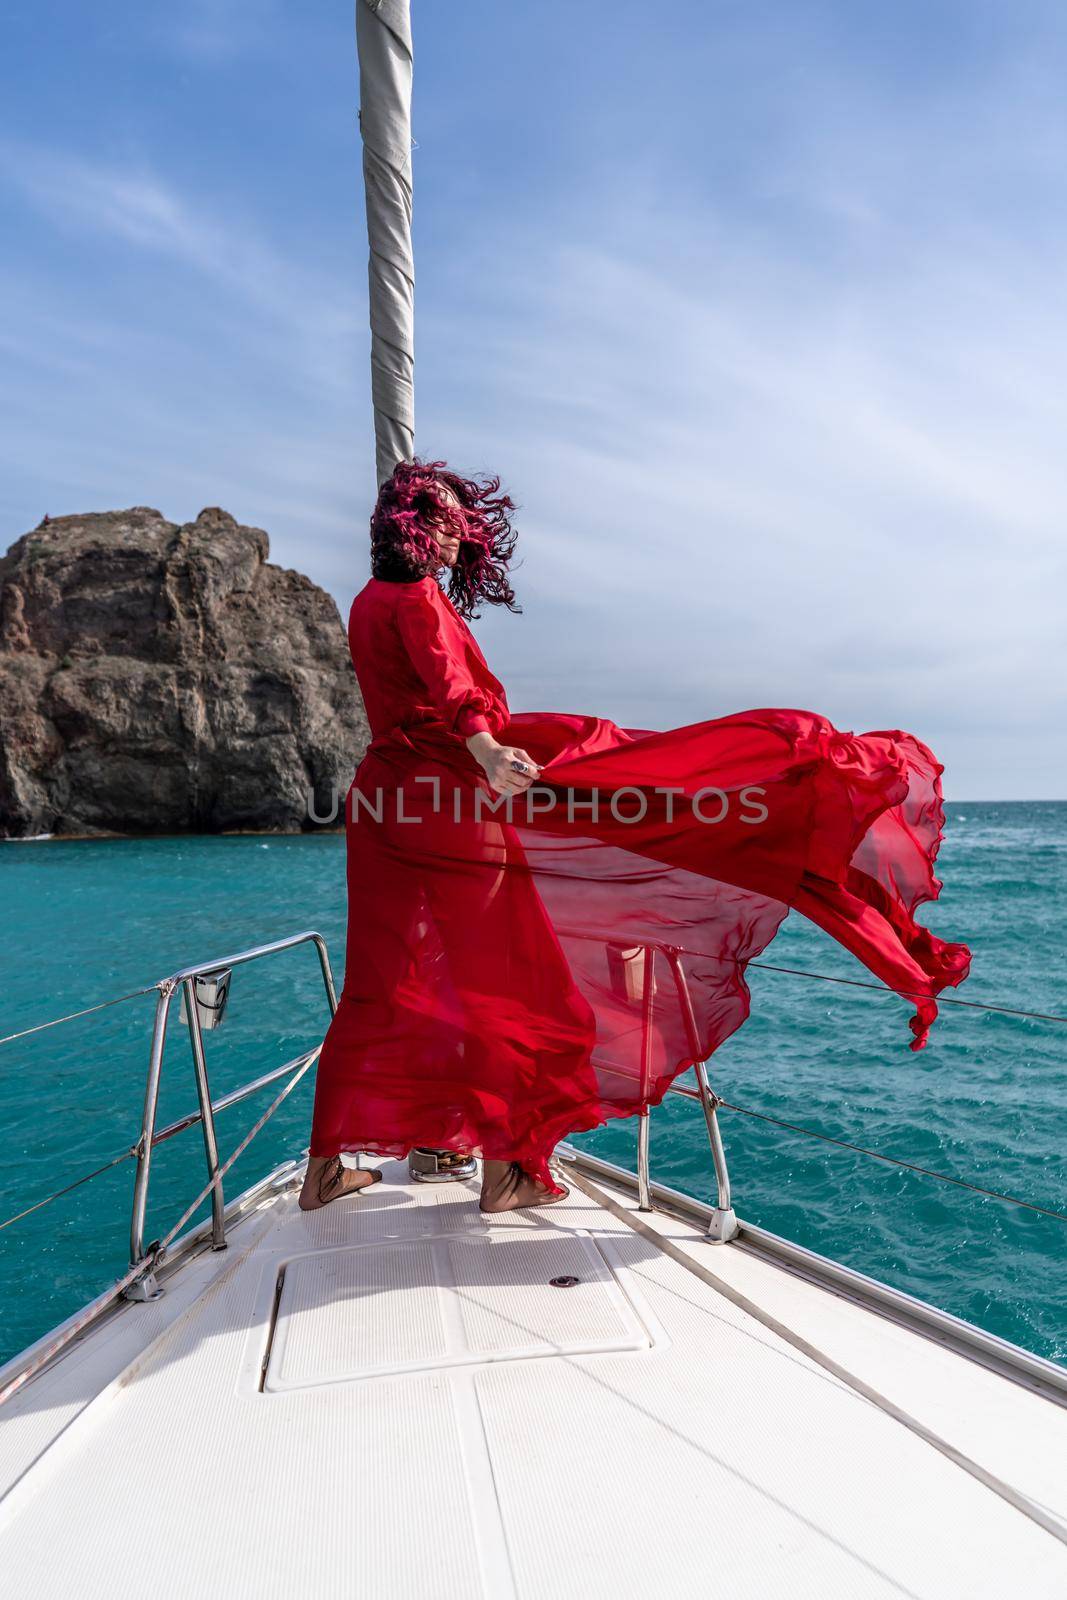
383	41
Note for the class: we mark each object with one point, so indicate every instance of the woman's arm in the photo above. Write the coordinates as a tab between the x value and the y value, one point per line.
425	627
464	706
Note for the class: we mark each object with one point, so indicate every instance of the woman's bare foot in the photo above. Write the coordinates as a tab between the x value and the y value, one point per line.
506	1187
327	1178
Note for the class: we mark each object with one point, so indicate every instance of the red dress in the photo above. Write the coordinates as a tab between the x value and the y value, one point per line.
519	970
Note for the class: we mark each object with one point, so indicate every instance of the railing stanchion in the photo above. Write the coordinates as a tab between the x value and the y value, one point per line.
723	1223
207	1116
148	1125
644	1186
327	971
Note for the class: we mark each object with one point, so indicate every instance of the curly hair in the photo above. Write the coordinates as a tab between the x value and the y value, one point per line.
403	547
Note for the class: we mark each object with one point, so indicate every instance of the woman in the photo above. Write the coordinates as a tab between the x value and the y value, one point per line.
549	915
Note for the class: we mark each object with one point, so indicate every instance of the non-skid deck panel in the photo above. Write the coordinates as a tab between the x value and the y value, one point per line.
716	1457
1015	1433
763	1474
203	1490
345	1315
38	1415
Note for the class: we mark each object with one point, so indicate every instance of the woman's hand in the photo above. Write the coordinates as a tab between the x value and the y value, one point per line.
495	760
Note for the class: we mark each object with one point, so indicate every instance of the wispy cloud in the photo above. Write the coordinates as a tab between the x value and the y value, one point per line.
842	487
136	211
216	31
220	368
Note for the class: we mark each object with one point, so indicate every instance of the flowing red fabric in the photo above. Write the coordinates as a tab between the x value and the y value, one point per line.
521	969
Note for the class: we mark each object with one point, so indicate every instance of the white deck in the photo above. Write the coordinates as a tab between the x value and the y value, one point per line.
436	1417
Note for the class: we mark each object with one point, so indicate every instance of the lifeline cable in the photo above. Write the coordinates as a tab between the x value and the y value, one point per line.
907	994
896	1161
126	1155
72	1016
763	1116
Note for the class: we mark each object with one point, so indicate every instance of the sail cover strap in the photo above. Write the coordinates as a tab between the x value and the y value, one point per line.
383	40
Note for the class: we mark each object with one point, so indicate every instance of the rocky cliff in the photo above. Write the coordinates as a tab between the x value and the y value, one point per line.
166	679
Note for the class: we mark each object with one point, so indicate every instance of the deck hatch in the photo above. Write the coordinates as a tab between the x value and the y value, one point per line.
409	1305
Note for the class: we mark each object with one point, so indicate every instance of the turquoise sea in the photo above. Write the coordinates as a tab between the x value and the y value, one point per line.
987	1101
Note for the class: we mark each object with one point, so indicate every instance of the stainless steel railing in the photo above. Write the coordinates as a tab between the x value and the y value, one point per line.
187	980
168	987
138	1281
722	1224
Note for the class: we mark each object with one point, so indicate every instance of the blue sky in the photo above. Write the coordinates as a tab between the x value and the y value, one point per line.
758	309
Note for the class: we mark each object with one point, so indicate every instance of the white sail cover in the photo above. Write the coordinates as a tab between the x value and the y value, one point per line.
383	39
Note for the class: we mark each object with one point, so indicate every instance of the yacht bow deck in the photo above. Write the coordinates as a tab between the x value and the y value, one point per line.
392	1394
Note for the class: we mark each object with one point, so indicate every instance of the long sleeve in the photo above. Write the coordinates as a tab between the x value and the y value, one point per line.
470	721
438	653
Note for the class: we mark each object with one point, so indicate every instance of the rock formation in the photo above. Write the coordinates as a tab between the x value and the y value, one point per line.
166	679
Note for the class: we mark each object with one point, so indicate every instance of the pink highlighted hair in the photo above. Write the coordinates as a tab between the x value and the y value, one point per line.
403	547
